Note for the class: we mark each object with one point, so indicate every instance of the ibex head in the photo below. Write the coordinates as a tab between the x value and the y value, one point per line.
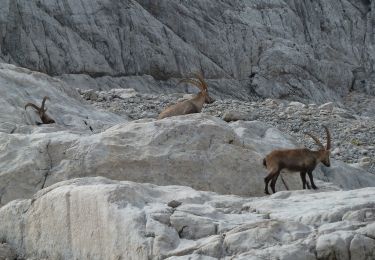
324	152
42	111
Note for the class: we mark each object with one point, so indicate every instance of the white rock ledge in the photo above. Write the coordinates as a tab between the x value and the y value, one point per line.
97	218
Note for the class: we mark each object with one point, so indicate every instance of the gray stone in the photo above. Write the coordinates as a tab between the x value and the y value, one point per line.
288	49
328	107
75	218
6	252
297	105
231	115
174	203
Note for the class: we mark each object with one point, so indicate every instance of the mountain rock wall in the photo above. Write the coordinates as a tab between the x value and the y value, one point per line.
304	50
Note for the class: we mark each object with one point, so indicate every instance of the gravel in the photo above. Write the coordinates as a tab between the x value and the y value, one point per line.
351	122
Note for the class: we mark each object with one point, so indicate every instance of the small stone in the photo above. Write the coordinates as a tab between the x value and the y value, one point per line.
230	116
90	95
290	110
282	115
312	106
336	151
297	104
149	114
174	203
327	107
365	161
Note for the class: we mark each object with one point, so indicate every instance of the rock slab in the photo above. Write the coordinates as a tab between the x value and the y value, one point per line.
97	218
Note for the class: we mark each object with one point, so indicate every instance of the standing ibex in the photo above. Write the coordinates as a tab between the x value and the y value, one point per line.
302	160
193	105
42	112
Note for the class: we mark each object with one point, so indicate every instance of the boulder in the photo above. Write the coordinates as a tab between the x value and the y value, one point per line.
198	150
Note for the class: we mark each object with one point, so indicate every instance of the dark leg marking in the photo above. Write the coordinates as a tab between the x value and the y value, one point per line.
312	180
303	178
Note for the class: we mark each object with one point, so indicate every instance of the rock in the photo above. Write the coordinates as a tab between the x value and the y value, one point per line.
89	94
174	203
365	161
344	175
336	151
7	253
20	86
247	56
124	93
134	222
230	116
334	245
197	150
327	107
343	113
297	105
83	143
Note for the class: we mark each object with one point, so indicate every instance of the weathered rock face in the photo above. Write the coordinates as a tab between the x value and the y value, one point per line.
96	218
199	150
283	48
195	150
20	86
6	252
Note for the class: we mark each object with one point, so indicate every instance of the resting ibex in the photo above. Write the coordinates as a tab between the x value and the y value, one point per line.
42	112
302	160
190	106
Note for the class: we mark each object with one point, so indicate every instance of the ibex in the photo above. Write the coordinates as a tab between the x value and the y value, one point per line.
302	160
193	105
42	112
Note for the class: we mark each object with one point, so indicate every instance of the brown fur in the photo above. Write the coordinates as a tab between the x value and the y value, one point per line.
300	160
41	111
193	105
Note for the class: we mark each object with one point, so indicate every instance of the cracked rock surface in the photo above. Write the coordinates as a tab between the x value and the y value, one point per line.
201	151
305	50
352	121
133	221
47	213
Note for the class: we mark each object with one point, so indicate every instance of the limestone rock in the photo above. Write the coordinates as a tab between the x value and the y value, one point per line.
289	49
20	86
230	116
75	218
197	150
327	107
7	253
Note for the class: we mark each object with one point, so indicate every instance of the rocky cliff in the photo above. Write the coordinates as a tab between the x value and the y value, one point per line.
316	50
